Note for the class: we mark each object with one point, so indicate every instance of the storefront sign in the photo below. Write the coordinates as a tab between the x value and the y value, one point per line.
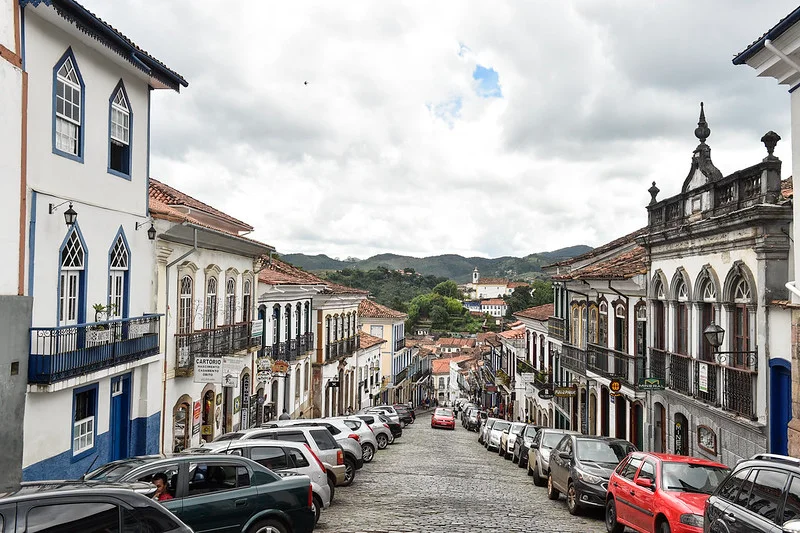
207	369
707	439
702	377
237	404
258	329
263	376
565	392
264	363
646	384
279	368
231	368
546	394
678	438
196	415
615	386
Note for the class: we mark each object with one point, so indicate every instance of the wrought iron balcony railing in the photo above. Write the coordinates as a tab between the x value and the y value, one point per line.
64	352
573	358
555	327
615	364
342	348
217	342
401	375
400	344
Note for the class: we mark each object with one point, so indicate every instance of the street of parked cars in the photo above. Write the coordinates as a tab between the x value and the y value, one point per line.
641	491
277	478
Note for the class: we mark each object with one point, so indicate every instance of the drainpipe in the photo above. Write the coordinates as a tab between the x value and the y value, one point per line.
166	327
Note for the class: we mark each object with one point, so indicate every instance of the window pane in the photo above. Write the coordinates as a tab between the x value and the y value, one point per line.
744	491
631	468
324	439
297	457
74	517
791	509
147	520
766	493
211	478
292	436
648	471
271	457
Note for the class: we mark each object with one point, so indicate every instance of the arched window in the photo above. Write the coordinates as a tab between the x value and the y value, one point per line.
707	317
276	327
593	324
575	333
602	324
328	335
288	321
308	317
682	318
298	320
336	327
68	113
741	320
119	117
247	301
307	375
298	384
185	318
118	279
620	328
230	301
211	304
659	316
73	257
641	333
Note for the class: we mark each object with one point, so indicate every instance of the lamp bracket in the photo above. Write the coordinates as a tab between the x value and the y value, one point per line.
51	208
142	224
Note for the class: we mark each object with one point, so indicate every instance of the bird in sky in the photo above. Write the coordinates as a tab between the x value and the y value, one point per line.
305	83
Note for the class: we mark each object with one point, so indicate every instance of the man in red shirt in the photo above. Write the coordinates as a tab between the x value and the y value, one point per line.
160	481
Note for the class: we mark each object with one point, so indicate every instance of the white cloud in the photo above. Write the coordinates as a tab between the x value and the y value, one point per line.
389	148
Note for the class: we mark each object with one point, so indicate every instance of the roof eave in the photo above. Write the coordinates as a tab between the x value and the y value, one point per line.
771	35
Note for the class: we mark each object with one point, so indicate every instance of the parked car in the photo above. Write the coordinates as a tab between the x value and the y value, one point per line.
319	439
474	419
443	418
508	437
349	440
492	440
522	444
281	456
381	431
86	506
391	415
653	493
207	489
391	412
539	453
366	435
394	428
580	467
484	430
405	413
761	494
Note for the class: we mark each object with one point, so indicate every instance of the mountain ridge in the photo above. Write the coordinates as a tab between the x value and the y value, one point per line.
452	266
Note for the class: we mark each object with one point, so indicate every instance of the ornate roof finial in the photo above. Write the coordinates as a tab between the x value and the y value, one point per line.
702	130
653	193
770	139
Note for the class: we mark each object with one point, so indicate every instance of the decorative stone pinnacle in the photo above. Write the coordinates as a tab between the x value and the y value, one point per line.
770	139
702	130
653	192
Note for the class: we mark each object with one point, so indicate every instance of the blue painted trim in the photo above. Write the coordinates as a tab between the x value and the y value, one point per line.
147	176
127	279
32	242
82	289
75	392
780	362
793	88
22	33
79	158
775	32
121	86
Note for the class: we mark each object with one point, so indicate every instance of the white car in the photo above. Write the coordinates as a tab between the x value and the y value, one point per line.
386	410
494	434
280	456
509	437
383	434
369	441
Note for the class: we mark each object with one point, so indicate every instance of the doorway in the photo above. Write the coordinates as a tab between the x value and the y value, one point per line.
660	428
621	417
120	416
681	434
780	405
604	411
593	414
207	425
637	425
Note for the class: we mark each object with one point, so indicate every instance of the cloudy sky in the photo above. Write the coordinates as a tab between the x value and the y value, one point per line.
479	128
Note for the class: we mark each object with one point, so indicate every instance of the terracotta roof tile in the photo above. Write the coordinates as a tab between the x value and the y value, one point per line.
483	337
631	237
172	196
512	334
787	187
493	301
442	366
335	288
622	266
455	341
492	281
370	309
368	341
516	284
540	312
276	272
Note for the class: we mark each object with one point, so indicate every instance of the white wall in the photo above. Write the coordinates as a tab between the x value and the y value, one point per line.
795	118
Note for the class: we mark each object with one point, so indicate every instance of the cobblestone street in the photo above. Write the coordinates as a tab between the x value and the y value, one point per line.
444	481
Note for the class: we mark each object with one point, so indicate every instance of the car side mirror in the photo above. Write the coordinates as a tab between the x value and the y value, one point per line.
534	446
646	483
565	455
792	526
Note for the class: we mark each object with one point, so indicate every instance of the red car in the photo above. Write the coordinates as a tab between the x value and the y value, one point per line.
443	418
659	493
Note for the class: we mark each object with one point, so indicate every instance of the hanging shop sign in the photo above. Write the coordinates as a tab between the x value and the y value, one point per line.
207	369
702	377
546	394
646	384
565	392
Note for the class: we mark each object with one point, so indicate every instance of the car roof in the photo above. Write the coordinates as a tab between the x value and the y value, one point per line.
771	459
246	443
40	489
672	458
579	436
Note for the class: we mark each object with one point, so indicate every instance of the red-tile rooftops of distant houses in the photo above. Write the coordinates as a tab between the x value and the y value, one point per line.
483	337
276	272
182	202
623	266
368	341
371	309
787	187
335	288
516	284
492	281
540	312
516	324
493	301
512	334
442	366
455	341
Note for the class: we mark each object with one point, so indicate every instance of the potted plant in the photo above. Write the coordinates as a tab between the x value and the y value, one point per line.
100	333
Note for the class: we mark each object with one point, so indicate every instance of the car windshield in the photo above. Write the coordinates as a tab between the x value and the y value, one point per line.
687	477
229	436
599	451
550	440
443	412
517	429
500	426
113	471
530	431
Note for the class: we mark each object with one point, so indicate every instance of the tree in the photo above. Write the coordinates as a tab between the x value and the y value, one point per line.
448	288
439	317
539	293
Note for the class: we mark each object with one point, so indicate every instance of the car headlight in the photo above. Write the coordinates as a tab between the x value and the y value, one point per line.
589	478
689	519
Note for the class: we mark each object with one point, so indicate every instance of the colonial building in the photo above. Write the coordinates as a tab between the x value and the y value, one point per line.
495	307
366	360
285	361
206	288
94	372
537	340
451	345
482	288
516	358
776	55
719	261
386	323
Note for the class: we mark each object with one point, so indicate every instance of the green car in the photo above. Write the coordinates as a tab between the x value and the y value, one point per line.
221	493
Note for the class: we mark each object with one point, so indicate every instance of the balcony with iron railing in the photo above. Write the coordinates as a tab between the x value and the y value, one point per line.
403	374
342	347
399	344
729	381
615	364
217	342
573	358
556	328
59	353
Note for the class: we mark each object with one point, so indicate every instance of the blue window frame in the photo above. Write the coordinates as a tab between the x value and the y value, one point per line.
73	269
84	421
120	132
69	97
119	265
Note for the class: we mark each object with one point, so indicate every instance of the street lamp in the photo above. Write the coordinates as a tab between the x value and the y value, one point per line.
714	335
70	215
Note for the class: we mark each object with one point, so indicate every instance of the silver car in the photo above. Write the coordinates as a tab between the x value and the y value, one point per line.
484	430
539	454
383	435
388	411
494	434
369	439
340	432
509	437
280	456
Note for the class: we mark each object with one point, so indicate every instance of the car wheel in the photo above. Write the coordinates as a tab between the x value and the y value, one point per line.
612	526
332	486
538	480
383	441
268	526
573	505
316	507
515	458
367	452
664	527
552	492
403	424
349	472
391	438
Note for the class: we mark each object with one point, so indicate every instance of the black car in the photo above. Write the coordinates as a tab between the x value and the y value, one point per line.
405	409
761	494
87	507
523	444
394	427
580	466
